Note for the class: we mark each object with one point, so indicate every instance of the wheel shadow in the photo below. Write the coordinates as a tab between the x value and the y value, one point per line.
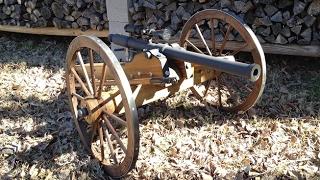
47	139
291	92
38	137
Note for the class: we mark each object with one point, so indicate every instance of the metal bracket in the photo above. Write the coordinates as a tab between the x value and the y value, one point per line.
161	81
170	76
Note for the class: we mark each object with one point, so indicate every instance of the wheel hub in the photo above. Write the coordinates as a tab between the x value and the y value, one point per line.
89	110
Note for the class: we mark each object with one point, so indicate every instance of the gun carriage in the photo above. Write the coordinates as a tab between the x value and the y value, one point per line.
104	93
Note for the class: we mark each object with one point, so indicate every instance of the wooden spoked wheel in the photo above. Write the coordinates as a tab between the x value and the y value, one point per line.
102	104
216	33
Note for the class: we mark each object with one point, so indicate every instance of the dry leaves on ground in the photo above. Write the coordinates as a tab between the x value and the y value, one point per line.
181	138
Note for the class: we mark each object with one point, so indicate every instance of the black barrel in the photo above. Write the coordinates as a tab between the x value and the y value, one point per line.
249	71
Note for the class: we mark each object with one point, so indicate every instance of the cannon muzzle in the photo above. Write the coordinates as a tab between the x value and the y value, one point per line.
221	63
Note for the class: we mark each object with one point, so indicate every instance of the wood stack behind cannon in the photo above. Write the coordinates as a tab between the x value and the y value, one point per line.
82	14
274	21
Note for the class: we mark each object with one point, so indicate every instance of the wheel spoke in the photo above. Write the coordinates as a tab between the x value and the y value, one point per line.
219	90
103	78
101	141
84	71
213	39
113	155
226	36
94	131
92	73
239	49
79	97
221	28
104	102
80	81
194	46
75	104
136	91
119	107
110	137
231	89
114	132
207	88
202	39
196	92
116	118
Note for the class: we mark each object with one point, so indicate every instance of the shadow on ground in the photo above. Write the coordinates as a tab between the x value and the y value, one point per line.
292	91
44	136
38	137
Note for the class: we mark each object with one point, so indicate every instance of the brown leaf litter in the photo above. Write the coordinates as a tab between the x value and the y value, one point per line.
181	138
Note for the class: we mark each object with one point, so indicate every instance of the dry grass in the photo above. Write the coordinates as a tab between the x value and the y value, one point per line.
181	138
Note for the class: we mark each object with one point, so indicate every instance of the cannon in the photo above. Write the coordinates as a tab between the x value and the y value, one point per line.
224	67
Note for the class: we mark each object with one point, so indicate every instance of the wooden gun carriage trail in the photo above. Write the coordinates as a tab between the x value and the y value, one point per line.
104	93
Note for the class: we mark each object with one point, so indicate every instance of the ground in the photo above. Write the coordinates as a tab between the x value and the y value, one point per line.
181	138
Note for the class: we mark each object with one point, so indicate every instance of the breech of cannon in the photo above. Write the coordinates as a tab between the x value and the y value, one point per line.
221	63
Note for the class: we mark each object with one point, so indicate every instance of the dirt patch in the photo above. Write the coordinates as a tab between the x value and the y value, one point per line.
181	138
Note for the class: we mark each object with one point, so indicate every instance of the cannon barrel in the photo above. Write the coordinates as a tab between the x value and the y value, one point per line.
222	64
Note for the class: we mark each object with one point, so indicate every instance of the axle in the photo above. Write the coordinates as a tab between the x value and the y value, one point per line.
222	64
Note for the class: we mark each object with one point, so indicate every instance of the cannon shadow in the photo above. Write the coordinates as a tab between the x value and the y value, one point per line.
291	92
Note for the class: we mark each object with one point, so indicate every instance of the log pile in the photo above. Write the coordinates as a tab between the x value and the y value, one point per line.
273	21
83	14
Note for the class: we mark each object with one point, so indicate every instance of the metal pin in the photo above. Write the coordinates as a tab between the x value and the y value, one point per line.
82	112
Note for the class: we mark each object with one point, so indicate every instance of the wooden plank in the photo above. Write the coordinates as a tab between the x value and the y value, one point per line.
53	31
146	93
151	93
293	49
139	67
296	50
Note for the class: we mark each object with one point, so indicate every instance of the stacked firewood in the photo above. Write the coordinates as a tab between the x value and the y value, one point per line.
83	14
273	21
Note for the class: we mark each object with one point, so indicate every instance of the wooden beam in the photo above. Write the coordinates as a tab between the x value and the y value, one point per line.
292	49
139	67
53	31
